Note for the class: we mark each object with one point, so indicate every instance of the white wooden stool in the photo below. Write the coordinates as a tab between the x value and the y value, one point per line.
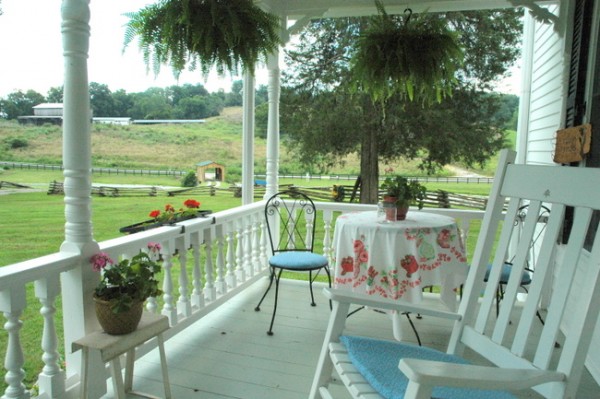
108	348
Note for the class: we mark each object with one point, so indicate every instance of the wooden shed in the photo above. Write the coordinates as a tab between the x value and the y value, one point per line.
209	170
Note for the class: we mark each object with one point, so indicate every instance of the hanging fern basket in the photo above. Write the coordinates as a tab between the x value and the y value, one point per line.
227	35
414	57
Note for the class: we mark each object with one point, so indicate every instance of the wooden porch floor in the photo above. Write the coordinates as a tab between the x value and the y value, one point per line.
228	354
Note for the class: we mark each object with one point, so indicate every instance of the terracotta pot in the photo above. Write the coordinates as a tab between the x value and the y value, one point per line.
118	323
401	211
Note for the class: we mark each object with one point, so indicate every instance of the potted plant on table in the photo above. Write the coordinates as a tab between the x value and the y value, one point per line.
403	192
119	296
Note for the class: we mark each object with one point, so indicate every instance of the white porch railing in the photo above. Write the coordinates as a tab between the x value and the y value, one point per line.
205	262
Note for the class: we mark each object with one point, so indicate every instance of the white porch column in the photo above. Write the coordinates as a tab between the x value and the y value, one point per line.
525	95
77	285
273	125
248	140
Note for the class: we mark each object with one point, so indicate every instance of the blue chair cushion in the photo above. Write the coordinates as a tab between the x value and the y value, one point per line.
377	361
506	269
298	260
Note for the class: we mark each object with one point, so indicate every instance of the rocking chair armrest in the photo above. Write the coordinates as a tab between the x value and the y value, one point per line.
344	296
432	373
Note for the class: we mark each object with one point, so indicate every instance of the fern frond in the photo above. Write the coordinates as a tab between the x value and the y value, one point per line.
227	35
415	57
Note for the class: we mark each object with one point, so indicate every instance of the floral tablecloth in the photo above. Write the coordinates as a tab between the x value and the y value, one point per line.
396	260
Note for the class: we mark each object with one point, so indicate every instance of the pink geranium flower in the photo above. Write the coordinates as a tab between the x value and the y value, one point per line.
100	260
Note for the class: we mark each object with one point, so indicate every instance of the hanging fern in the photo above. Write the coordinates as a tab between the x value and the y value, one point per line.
226	34
416	58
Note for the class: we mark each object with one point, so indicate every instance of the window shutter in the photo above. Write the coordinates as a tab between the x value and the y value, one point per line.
576	101
575	111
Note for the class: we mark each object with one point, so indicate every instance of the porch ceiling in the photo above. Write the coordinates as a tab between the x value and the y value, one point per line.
296	9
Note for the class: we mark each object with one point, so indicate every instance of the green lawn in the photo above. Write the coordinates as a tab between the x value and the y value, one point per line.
32	225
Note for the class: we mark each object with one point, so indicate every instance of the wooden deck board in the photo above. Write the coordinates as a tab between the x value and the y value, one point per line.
228	354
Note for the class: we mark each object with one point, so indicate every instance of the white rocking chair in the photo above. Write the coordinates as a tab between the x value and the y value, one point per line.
374	368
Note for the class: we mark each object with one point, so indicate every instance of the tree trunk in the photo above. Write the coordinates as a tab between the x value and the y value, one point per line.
369	168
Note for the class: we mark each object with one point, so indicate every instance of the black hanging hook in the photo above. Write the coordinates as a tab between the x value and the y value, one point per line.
408	13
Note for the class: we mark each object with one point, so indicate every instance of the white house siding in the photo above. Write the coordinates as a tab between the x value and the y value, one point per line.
547	102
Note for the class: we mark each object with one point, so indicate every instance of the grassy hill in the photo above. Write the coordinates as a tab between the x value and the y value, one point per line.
162	147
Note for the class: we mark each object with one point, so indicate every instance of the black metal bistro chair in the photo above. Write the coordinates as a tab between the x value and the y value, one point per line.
527	273
290	218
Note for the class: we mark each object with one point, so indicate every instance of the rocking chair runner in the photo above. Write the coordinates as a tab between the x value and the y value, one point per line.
373	368
290	217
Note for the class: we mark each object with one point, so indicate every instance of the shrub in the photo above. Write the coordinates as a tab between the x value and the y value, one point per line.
16	142
190	180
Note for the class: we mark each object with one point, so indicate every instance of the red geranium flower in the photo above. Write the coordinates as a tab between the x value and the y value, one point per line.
154	214
192	203
170	213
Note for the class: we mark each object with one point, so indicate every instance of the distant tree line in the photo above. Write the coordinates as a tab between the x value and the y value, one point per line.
174	102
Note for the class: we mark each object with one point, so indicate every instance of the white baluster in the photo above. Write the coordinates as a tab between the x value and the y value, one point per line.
13	303
231	277
197	292
210	290
184	307
155	254
247	241
239	254
256	244
264	251
168	308
291	244
220	284
310	220
151	305
327	222
51	380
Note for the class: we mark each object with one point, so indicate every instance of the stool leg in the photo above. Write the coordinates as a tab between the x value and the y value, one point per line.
129	362
83	393
163	364
115	369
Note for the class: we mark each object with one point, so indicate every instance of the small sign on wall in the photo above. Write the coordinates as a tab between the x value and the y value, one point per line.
572	143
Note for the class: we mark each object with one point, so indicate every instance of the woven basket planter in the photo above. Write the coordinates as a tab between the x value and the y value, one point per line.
118	323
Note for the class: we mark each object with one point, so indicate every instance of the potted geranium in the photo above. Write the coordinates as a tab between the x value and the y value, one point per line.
403	192
123	288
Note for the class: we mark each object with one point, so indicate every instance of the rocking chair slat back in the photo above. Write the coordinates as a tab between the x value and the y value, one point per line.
543	278
539	187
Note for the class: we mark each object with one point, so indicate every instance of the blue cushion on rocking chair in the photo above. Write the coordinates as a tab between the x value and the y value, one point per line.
298	260
505	274
377	361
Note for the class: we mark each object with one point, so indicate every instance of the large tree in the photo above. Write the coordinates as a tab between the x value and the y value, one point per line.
19	104
101	100
325	118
